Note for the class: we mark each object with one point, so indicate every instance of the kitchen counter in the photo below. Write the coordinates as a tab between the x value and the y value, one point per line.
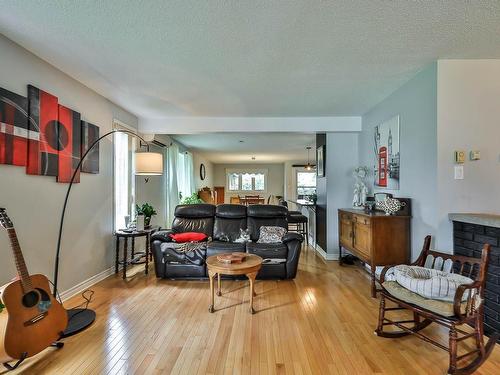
488	220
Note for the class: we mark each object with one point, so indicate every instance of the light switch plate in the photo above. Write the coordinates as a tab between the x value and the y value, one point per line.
475	155
459	172
459	157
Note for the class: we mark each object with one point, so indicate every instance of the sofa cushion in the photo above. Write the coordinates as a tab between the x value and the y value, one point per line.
430	283
271	234
220	247
188	237
268	250
173	255
439	307
192	211
229	219
194	218
265	215
203	225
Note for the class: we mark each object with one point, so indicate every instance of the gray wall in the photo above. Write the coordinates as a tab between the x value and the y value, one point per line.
209	168
468	119
416	104
34	202
276	177
341	159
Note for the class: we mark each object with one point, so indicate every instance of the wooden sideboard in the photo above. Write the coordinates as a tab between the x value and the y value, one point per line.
375	238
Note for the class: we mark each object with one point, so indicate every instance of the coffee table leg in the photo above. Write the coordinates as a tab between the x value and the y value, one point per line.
211	276
125	251
251	277
219	292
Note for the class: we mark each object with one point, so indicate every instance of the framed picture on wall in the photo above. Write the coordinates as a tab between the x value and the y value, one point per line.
320	161
386	152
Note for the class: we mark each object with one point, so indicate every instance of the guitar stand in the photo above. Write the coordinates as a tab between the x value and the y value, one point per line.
57	344
16	365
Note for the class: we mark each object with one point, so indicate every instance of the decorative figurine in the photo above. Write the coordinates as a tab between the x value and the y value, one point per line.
360	189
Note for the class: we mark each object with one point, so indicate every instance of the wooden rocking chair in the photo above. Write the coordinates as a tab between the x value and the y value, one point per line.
448	314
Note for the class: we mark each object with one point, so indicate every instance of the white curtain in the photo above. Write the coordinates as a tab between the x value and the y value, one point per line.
124	178
179	179
185	175
171	188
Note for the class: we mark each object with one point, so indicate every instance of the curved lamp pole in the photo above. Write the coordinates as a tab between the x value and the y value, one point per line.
80	318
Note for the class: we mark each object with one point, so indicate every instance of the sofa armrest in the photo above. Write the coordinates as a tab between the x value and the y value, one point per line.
162	235
291	236
293	242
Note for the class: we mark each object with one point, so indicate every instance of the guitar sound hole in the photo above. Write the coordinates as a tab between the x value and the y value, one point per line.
30	299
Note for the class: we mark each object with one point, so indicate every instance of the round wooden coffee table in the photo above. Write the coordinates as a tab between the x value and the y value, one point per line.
249	267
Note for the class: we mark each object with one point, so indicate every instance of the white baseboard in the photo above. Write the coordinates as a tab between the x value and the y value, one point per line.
325	255
67	294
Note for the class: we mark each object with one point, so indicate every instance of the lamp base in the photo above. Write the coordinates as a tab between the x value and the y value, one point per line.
78	320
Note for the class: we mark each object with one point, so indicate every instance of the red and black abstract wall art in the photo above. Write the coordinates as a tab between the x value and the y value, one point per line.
43	129
13	128
69	134
90	134
46	137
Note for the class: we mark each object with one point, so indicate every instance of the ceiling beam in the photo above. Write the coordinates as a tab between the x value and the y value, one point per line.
196	125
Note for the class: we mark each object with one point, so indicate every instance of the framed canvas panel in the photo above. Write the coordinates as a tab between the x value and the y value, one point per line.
90	134
320	161
13	128
69	143
387	155
43	127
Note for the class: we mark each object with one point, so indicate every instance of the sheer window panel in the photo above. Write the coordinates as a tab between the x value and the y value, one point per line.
124	146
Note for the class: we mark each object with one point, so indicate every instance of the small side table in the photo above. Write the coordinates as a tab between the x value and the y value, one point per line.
249	267
134	258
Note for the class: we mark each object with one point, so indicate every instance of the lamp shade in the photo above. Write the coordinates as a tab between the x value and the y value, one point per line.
148	164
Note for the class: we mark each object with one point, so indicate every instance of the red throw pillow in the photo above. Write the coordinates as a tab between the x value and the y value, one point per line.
188	237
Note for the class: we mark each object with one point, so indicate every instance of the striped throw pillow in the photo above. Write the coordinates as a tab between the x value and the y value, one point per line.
430	283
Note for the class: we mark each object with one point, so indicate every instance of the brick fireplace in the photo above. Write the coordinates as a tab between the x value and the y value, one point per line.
468	239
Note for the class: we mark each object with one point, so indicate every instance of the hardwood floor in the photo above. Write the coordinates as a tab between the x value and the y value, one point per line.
320	323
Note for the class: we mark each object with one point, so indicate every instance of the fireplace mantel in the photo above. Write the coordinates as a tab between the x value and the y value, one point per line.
488	220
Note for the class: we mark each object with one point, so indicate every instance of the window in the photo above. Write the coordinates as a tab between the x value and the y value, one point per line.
246	181
124	181
306	184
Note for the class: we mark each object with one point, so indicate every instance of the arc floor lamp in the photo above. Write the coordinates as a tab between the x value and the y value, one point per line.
147	164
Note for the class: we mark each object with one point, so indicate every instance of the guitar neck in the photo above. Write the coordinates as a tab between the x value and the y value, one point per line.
22	270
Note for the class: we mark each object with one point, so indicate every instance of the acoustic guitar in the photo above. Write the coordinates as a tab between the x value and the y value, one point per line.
32	319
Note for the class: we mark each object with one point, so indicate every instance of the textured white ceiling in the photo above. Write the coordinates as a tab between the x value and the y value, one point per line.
249	58
266	147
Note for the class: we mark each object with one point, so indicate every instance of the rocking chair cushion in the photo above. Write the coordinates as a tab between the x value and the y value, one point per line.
430	283
442	308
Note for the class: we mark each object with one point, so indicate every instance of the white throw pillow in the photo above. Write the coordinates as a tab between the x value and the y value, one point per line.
430	283
271	234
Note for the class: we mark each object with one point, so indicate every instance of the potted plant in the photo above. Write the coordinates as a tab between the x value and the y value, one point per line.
193	199
147	211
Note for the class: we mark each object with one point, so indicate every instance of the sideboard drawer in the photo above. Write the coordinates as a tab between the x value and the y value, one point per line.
345	216
362	220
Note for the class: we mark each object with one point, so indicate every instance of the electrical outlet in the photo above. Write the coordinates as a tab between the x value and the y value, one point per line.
459	172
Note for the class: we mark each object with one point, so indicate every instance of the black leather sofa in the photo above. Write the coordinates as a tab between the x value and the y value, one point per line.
221	223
